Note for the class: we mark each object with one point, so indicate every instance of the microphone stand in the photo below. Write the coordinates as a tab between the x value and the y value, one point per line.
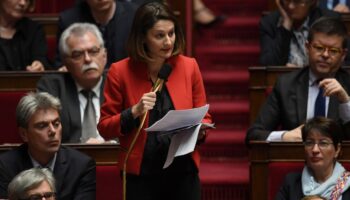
157	87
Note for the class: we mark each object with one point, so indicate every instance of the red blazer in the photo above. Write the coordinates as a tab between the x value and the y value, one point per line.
126	83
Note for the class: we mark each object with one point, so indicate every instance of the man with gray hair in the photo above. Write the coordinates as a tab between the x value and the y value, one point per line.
80	91
40	128
34	183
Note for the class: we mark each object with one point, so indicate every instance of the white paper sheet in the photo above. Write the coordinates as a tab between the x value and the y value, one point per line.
176	119
182	144
183	141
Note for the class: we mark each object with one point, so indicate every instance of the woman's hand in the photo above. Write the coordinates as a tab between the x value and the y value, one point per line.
36	66
146	103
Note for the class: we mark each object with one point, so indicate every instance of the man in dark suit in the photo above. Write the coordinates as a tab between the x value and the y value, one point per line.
113	18
84	55
298	95
39	125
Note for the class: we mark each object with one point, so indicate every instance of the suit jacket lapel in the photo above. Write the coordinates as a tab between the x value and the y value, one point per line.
141	83
26	161
61	167
102	98
302	96
177	85
73	104
333	106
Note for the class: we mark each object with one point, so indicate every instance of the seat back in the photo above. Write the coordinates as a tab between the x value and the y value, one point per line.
8	104
108	182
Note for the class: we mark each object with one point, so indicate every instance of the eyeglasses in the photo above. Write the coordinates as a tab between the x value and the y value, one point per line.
295	2
79	55
321	144
332	51
46	195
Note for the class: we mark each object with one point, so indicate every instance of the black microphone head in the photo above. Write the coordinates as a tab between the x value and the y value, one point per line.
165	72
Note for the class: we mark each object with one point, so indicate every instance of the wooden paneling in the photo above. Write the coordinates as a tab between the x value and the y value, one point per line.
103	154
21	80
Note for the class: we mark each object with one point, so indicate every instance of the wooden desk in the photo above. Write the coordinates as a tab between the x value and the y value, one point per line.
262	79
263	153
21	80
49	22
103	154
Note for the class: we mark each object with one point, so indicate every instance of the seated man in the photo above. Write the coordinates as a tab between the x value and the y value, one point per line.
283	33
84	55
34	183
39	125
322	88
113	18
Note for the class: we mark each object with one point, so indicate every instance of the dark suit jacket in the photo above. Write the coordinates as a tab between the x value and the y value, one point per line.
275	40
63	87
115	33
75	173
286	106
291	188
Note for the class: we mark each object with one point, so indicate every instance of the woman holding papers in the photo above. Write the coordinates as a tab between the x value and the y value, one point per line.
134	88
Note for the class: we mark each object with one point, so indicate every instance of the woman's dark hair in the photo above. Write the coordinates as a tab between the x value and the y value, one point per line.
145	17
329	26
326	127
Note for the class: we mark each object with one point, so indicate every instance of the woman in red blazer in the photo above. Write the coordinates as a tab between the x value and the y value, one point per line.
155	39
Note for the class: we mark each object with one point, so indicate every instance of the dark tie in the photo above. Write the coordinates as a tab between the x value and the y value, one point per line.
89	121
320	104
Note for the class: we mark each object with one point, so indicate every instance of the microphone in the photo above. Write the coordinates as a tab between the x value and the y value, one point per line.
163	75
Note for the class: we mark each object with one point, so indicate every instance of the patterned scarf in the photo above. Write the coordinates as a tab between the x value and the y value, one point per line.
325	189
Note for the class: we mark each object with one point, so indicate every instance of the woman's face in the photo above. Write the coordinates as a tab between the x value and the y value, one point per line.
160	40
320	152
14	9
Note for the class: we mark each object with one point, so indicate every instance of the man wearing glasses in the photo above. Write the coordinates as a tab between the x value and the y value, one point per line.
80	91
283	32
320	89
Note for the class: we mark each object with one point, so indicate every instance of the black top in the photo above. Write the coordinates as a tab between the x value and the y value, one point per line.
115	33
157	144
28	44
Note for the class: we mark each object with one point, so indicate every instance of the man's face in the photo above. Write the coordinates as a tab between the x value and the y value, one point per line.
298	10
326	54
44	132
86	60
